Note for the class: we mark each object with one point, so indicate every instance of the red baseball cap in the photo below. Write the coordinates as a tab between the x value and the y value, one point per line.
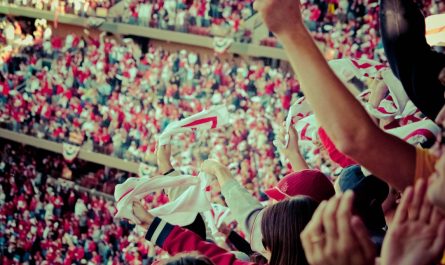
307	182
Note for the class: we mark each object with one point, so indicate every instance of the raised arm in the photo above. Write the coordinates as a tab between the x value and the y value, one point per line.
243	206
336	109
292	151
165	167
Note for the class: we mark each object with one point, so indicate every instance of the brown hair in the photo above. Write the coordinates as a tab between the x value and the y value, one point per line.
281	226
188	259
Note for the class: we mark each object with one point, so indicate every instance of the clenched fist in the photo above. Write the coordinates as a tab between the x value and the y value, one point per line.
280	15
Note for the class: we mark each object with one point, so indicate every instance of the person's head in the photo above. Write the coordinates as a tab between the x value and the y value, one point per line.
281	225
370	193
188	259
307	182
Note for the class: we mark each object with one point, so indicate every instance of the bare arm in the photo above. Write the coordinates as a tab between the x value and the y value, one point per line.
340	114
292	151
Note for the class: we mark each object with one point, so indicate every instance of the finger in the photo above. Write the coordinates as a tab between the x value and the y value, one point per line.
315	226
330	226
257	5
168	147
329	218
278	144
280	137
318	220
362	236
436	217
426	209
419	195
402	210
344	214
293	133
313	229
439	243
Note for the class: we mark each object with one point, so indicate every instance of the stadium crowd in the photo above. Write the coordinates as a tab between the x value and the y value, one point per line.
386	207
335	24
120	100
180	15
43	222
78	7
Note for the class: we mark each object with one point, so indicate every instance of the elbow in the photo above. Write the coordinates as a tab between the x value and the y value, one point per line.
353	145
348	148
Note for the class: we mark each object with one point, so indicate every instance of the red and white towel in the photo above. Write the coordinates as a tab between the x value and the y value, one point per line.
181	211
213	118
417	132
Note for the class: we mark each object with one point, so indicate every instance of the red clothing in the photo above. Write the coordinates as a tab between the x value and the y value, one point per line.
333	152
175	240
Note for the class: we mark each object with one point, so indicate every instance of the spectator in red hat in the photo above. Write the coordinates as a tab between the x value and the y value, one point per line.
307	182
248	211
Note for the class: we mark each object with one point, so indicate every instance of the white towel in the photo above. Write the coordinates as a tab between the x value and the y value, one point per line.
181	211
299	110
213	118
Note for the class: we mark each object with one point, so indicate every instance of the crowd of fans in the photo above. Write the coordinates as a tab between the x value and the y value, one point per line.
78	7
185	15
43	222
342	28
389	207
349	28
119	99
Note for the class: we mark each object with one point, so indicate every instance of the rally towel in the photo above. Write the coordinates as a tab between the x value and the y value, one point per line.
216	216
181	211
213	118
396	90
70	152
299	110
395	103
417	132
348	68
221	44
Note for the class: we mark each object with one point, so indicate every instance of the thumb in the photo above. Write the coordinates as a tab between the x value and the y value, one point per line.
439	243
278	144
293	133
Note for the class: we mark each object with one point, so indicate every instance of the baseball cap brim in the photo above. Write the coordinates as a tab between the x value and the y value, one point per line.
275	193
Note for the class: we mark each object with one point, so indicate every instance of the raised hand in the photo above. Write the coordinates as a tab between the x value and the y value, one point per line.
417	234
163	154
144	217
292	150
335	236
280	15
215	168
280	141
379	90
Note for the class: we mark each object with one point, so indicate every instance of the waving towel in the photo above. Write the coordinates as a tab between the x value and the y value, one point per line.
181	211
213	118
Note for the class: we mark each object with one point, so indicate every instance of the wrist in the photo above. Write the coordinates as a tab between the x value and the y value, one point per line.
223	175
290	34
146	222
165	167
